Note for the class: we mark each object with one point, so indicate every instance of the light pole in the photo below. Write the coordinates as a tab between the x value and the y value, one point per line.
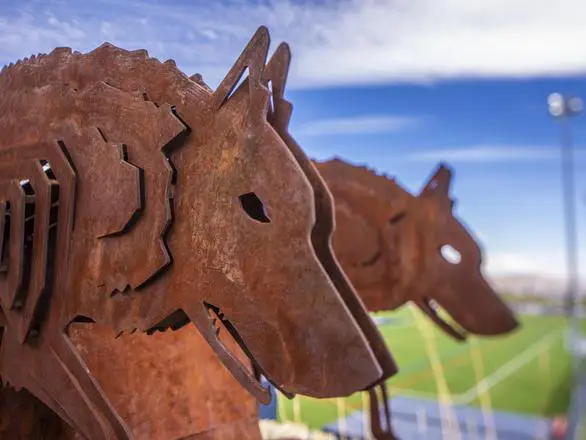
563	108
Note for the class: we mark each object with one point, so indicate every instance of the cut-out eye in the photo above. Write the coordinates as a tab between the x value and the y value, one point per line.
82	319
253	206
433	184
450	254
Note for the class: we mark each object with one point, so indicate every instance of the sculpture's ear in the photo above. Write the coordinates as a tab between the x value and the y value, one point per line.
252	57
438	186
275	73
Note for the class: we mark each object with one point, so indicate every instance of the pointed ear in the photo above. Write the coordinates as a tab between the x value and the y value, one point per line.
439	184
275	73
252	57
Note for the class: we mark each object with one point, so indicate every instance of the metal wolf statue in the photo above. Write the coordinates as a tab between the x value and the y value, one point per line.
133	197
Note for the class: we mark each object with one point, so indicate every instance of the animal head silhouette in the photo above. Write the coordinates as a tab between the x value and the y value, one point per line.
397	247
182	205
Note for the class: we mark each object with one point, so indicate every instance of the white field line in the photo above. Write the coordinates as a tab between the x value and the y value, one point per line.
507	369
446	413
366	429
341	412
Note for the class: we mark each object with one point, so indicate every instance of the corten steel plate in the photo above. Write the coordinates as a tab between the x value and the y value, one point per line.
279	116
153	385
161	202
159	392
390	243
280	110
321	235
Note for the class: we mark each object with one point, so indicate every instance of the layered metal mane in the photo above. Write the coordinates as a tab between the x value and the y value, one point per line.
139	199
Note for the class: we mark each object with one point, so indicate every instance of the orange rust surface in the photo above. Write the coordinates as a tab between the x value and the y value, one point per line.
142	201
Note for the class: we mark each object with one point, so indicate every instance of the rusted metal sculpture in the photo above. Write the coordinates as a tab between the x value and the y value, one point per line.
136	198
322	232
23	417
151	382
390	244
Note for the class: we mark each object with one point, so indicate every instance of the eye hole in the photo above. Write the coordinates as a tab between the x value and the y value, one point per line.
253	206
450	254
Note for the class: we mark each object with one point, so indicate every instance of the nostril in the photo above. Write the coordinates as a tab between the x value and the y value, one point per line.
254	207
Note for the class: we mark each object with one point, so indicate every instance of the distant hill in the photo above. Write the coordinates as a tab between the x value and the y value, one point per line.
533	285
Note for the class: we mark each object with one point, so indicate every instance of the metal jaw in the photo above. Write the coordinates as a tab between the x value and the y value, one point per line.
140	214
384	430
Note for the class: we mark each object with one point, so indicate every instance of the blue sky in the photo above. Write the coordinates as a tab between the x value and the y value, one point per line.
396	84
496	134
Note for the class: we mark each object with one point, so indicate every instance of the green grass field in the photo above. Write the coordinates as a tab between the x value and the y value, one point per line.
526	372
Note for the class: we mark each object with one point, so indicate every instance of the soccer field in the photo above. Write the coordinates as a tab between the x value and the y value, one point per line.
526	372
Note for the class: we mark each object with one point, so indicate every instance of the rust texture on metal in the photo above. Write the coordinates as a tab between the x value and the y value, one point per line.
323	229
151	382
24	417
394	247
169	385
279	116
384	430
140	200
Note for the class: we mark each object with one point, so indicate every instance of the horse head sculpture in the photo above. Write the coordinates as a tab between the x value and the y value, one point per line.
397	247
140	199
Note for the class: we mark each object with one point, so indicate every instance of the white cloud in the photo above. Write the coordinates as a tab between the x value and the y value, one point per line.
484	154
359	125
334	42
